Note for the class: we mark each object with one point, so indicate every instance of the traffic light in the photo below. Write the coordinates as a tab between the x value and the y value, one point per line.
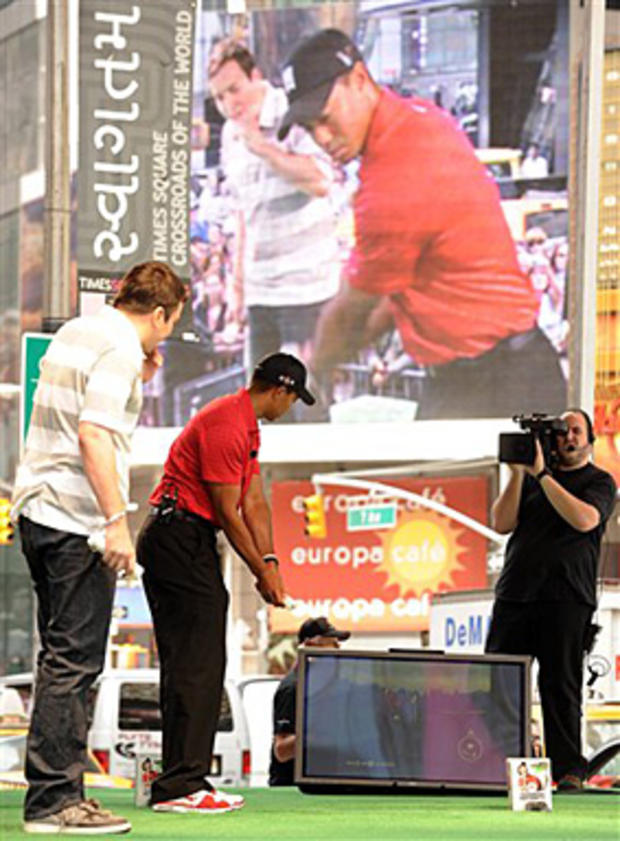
6	527
314	514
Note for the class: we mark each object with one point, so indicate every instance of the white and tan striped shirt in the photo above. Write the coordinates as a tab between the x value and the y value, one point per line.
291	254
92	371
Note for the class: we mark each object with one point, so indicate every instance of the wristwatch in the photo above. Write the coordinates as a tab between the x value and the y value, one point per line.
544	472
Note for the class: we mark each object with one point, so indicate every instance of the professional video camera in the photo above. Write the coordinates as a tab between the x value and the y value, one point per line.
520	447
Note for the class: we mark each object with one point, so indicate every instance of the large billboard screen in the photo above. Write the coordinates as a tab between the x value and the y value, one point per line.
424	274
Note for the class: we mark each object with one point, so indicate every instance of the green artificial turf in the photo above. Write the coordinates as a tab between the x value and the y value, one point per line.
283	814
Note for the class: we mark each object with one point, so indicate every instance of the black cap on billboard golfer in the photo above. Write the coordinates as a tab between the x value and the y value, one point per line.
310	73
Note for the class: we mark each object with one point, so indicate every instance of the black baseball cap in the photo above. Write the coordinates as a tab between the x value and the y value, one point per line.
320	627
310	73
285	370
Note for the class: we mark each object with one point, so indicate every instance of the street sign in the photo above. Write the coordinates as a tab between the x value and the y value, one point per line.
34	346
381	515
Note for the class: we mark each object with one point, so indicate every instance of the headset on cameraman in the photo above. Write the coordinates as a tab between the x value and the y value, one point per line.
589	425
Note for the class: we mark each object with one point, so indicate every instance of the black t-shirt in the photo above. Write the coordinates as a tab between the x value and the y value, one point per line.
546	558
282	773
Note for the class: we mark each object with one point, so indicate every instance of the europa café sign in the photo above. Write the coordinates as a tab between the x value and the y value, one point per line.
377	579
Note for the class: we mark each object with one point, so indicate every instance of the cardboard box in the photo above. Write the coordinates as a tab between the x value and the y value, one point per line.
148	766
529	784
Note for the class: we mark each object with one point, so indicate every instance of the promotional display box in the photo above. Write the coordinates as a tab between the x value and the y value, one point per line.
148	766
529	784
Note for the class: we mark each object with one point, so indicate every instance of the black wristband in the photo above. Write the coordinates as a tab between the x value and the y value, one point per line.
271	559
544	472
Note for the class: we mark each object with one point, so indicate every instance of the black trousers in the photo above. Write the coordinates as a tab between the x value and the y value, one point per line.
188	600
554	633
520	374
75	591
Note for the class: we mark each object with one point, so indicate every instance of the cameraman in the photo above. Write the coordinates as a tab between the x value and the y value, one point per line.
546	592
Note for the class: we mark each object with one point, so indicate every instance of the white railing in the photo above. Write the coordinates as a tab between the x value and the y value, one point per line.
379	490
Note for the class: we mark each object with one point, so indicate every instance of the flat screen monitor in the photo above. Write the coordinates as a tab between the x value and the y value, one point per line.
410	719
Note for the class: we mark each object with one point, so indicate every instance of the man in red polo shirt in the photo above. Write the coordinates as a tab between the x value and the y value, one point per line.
431	241
211	481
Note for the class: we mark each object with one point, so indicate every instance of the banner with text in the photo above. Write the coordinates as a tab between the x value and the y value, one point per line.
373	572
135	125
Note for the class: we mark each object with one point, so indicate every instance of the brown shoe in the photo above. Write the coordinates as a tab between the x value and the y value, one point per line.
85	818
570	782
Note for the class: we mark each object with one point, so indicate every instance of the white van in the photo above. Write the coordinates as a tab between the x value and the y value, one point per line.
257	693
125	719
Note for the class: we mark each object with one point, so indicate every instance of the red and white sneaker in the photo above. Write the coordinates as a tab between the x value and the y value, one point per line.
201	802
235	800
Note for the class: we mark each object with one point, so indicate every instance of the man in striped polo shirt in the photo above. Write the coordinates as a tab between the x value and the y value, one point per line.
73	481
286	254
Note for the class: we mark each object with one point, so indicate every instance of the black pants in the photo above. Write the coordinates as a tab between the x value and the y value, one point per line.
290	328
520	374
75	592
188	600
554	633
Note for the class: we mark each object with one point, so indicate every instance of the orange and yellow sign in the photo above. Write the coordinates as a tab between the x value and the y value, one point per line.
607	360
378	579
607	428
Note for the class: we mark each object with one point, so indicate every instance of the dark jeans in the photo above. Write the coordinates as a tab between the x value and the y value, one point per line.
188	600
271	328
289	329
520	374
554	633
75	592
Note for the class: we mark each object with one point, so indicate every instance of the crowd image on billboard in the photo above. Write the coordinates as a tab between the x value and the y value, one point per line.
277	223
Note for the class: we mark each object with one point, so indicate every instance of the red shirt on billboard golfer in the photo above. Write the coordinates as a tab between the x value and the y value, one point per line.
431	238
211	481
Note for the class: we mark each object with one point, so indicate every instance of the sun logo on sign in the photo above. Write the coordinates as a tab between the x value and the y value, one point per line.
421	553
